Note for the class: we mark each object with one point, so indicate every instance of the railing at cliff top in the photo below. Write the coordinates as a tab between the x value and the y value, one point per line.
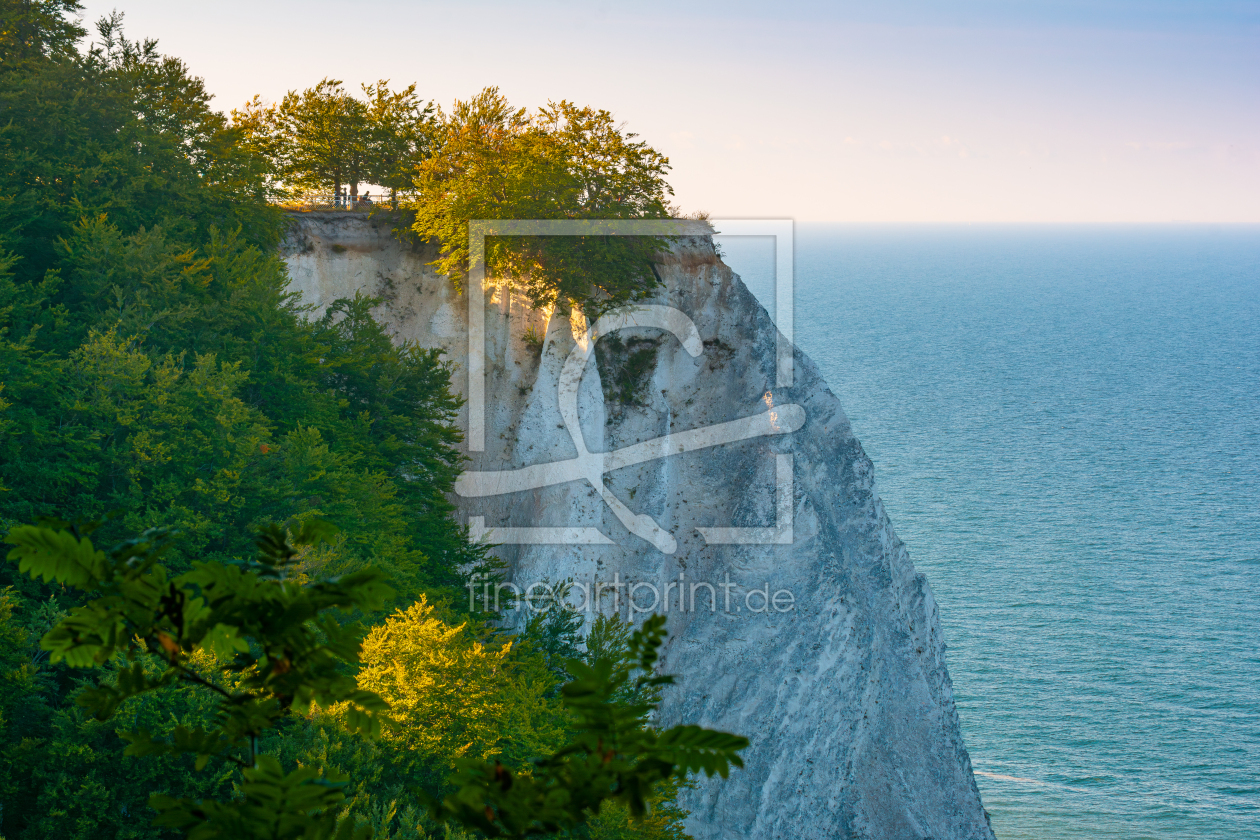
332	201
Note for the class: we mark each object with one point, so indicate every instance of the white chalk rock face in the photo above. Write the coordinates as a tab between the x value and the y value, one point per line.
820	643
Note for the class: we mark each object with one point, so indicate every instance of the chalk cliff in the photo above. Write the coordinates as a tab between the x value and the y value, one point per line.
840	682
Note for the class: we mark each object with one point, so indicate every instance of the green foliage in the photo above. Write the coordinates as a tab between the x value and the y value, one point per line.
614	757
332	420
17	671
154	371
493	161
625	368
153	362
610	639
263	644
80	784
399	130
553	631
122	131
243	647
31	30
533	339
274	642
663	820
157	378
324	138
457	690
273	805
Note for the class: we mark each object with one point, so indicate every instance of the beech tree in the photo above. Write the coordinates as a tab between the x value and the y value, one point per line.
458	690
493	161
399	136
326	138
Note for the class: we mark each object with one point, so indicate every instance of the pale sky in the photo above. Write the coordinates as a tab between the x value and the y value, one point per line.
894	111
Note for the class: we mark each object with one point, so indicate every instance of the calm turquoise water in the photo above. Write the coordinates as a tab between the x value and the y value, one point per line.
1065	425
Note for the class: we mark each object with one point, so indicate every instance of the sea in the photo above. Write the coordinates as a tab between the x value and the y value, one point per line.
1065	427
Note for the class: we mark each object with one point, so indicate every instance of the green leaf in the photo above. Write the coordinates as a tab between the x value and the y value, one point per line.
56	556
224	640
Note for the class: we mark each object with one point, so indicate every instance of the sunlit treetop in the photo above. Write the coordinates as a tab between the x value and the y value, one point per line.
494	161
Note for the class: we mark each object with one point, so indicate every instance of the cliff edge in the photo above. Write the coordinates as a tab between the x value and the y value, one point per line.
700	475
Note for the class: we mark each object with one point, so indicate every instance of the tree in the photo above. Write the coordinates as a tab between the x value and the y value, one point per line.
493	161
261	643
154	364
37	29
185	389
157	377
124	132
324	130
314	140
399	128
324	137
457	690
614	757
266	645
132	216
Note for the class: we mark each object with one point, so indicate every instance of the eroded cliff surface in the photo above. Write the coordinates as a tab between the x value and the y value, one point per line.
841	683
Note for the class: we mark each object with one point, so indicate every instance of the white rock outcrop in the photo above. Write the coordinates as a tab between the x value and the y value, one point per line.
843	691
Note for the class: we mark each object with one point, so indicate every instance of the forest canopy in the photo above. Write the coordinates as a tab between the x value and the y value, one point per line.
236	589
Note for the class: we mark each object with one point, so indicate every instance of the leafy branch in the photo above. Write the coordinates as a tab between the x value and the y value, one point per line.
266	646
614	756
277	645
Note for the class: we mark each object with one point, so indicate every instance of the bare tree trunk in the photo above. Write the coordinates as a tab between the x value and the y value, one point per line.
337	190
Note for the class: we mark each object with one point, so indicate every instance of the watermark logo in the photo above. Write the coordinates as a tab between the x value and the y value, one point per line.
591	467
603	596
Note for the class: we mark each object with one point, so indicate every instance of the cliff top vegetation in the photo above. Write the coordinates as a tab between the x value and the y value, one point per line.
482	159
